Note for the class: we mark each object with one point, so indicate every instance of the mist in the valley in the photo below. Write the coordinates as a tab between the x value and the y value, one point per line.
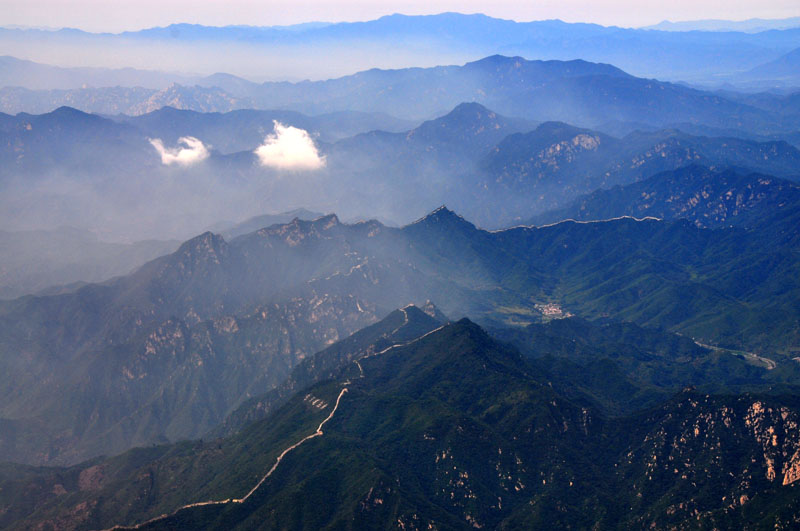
162	176
254	61
106	214
355	146
182	188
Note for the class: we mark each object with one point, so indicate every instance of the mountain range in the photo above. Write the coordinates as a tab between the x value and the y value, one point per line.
256	311
577	92
398	41
752	25
551	165
494	168
246	312
16	72
446	429
709	198
782	70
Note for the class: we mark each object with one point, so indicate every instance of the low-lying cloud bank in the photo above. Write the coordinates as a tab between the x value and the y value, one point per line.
289	148
194	151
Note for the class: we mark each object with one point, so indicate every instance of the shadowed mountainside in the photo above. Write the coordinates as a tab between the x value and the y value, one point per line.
191	335
448	430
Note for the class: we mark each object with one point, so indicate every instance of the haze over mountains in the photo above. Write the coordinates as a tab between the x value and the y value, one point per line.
256	306
496	169
36	260
236	300
783	69
396	41
753	25
576	91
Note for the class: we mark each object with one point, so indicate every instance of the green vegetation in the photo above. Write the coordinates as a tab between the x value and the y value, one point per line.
455	429
191	336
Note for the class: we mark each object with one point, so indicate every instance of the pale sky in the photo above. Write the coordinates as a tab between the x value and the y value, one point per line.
120	15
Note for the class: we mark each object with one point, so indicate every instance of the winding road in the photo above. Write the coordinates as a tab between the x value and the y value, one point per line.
748	356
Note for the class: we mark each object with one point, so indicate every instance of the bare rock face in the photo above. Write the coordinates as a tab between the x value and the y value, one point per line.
743	444
707	196
91	478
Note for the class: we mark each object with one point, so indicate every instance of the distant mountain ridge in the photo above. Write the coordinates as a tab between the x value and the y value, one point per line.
783	69
232	230
35	76
707	197
752	25
556	162
241	130
577	92
447	38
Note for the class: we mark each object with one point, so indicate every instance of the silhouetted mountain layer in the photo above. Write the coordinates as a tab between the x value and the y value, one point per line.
752	25
400	40
786	104
578	92
783	69
69	141
35	76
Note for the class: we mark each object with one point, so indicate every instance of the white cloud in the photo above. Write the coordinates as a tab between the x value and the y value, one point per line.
193	151
289	148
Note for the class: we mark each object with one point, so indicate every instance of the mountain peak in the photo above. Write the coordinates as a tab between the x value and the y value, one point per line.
469	129
468	107
73	115
466	116
441	212
498	60
559	128
207	244
326	222
66	110
527	68
443	216
298	229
